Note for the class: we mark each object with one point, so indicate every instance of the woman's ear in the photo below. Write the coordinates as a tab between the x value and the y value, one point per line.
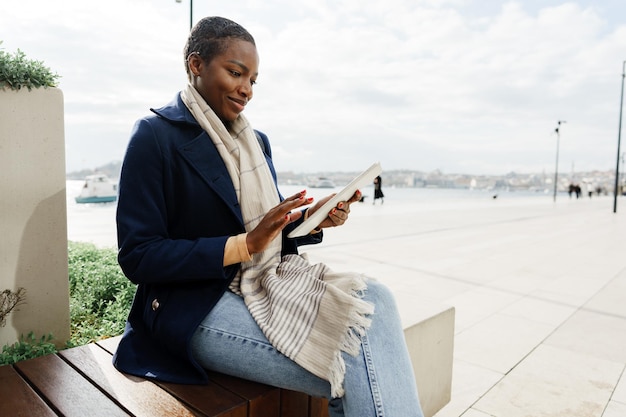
194	62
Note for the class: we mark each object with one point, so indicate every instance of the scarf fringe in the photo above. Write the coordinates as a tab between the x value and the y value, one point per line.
358	323
351	344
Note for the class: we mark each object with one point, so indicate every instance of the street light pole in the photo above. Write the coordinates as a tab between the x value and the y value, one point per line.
556	169
619	139
190	12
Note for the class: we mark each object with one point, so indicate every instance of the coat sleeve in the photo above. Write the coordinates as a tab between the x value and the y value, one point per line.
148	253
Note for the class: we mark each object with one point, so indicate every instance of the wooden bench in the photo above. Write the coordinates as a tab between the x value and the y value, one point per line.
83	382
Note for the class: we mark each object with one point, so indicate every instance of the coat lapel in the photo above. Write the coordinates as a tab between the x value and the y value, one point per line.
201	154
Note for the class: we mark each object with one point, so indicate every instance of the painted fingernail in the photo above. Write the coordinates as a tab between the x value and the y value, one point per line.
333	211
340	205
309	200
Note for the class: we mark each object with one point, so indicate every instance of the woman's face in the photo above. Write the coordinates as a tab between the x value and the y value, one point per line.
226	82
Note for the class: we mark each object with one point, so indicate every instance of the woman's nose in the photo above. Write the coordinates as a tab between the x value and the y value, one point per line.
246	89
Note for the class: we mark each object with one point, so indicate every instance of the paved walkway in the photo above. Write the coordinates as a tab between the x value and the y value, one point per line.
539	290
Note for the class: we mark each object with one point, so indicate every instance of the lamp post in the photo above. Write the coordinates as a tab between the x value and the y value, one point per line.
190	12
622	173
556	169
619	138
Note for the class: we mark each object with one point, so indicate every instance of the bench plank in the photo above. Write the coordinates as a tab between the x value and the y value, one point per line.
318	407
297	404
139	396
110	344
294	404
68	391
217	396
211	399
266	406
264	400
17	398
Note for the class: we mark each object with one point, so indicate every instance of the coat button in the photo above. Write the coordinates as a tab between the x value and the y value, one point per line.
155	305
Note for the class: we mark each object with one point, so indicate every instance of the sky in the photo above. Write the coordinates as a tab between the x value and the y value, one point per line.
461	86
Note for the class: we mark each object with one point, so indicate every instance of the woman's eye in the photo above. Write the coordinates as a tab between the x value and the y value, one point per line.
235	73
253	82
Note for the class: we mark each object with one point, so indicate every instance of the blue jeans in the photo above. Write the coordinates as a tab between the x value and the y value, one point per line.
379	382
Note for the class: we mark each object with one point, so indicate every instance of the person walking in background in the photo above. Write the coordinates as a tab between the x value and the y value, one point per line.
378	190
203	230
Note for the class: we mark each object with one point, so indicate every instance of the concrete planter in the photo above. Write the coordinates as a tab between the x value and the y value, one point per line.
33	212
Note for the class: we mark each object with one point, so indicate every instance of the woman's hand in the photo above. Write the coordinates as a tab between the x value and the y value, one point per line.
275	221
339	214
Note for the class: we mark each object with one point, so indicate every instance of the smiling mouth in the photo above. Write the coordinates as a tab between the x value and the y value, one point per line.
239	103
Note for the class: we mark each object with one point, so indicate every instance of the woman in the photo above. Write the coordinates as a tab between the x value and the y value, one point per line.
202	230
378	190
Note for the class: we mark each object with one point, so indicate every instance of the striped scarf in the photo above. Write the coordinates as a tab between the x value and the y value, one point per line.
307	312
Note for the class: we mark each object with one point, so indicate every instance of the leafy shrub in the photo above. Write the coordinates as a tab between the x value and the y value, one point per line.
100	299
17	71
27	348
100	294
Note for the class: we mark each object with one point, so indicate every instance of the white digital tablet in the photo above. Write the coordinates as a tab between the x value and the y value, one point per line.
366	177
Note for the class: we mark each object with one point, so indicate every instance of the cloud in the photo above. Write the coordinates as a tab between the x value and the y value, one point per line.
463	86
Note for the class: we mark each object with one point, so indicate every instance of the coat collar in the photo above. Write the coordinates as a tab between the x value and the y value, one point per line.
175	111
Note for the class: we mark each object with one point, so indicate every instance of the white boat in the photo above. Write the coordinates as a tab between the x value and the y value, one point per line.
323	182
98	188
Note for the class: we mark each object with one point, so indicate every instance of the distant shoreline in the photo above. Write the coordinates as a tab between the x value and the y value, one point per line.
95	223
539	182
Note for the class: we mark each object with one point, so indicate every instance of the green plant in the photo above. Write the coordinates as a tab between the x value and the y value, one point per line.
100	299
17	71
100	294
27	348
9	300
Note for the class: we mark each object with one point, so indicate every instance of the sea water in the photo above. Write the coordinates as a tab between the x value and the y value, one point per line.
95	223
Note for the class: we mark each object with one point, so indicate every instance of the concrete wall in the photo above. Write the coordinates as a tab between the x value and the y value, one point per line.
33	212
430	340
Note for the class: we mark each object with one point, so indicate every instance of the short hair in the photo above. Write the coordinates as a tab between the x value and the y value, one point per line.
209	38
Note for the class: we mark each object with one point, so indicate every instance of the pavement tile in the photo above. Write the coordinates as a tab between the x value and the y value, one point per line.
541	311
523	281
611	298
469	383
619	394
593	334
614	409
553	382
478	304
475	413
500	341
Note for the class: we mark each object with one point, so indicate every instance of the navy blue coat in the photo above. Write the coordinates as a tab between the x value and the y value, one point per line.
176	208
